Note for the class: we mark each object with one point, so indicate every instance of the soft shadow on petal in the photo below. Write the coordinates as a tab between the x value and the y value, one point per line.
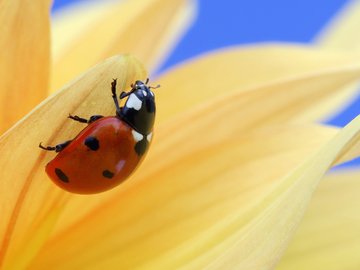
24	54
147	29
244	69
30	203
329	235
341	32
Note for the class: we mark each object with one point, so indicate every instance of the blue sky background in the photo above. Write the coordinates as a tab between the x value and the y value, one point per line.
230	22
248	22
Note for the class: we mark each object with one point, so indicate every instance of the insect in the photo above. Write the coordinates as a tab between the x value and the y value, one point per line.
110	148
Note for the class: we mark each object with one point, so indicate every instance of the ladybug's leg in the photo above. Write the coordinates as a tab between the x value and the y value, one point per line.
93	118
113	91
57	148
83	120
77	118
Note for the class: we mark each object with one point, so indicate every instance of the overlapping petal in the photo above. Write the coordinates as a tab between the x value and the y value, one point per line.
244	69
200	199
161	178
238	113
262	243
24	54
340	34
328	236
147	29
167	214
223	212
30	205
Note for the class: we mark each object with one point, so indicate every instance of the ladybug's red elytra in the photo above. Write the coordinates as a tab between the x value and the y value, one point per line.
110	148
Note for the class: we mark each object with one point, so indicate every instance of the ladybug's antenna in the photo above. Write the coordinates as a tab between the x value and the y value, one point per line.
154	87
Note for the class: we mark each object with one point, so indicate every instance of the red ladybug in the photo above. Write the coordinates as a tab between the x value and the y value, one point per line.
110	148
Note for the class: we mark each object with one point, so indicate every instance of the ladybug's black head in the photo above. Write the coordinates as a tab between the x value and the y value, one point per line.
139	85
139	108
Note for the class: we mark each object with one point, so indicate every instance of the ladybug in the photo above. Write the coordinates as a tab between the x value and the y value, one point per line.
110	148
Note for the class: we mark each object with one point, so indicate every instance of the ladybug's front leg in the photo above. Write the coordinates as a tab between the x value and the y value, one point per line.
83	120
116	102
57	148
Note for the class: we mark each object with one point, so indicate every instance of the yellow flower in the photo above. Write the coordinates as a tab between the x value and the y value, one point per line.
233	165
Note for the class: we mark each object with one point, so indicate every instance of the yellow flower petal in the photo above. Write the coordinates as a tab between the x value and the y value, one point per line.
329	236
339	35
243	70
210	207
145	28
68	23
271	104
262	243
209	133
168	209
341	32
24	54
238	113
30	203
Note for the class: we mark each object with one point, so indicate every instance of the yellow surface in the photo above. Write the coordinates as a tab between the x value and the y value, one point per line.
147	29
24	57
234	163
329	235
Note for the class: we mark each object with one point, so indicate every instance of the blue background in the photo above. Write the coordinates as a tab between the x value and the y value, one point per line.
230	22
248	22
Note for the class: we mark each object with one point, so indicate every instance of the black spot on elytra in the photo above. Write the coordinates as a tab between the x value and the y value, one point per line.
92	143
61	175
141	146
108	174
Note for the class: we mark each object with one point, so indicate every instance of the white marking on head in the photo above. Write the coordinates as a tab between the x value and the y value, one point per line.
151	93
149	136
144	93
137	136
133	102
